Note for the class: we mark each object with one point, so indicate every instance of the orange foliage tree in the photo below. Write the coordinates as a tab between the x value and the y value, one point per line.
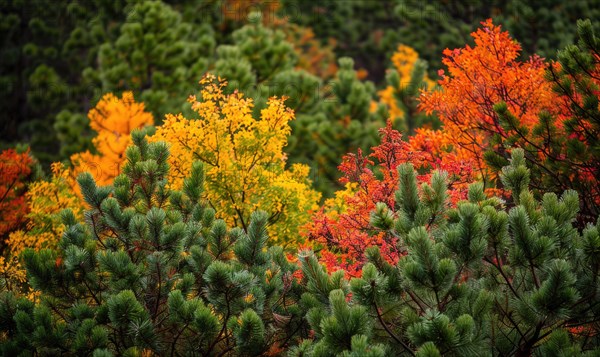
478	79
113	119
14	169
491	102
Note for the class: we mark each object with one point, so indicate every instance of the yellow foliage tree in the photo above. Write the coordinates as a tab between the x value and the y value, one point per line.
244	159
113	119
45	200
407	77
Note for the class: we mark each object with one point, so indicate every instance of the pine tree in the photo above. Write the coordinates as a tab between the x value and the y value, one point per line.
156	55
153	271
475	278
260	63
347	119
47	46
576	154
367	31
544	26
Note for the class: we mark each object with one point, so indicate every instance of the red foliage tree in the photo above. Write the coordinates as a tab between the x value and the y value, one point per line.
342	227
14	169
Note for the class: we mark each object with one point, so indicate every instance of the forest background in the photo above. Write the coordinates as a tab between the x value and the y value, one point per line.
320	178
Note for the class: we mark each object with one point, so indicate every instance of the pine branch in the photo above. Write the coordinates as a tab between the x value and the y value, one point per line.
390	332
174	343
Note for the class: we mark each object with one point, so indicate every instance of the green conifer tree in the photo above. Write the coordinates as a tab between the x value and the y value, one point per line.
344	122
578	82
157	55
543	26
563	150
477	279
260	63
152	270
366	31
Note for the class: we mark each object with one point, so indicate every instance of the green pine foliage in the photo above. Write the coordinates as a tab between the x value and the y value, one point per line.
543	26
153	270
484	280
560	162
577	81
260	63
342	123
474	280
367	31
156	55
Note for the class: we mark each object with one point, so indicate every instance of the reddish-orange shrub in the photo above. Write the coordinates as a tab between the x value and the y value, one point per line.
342	226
